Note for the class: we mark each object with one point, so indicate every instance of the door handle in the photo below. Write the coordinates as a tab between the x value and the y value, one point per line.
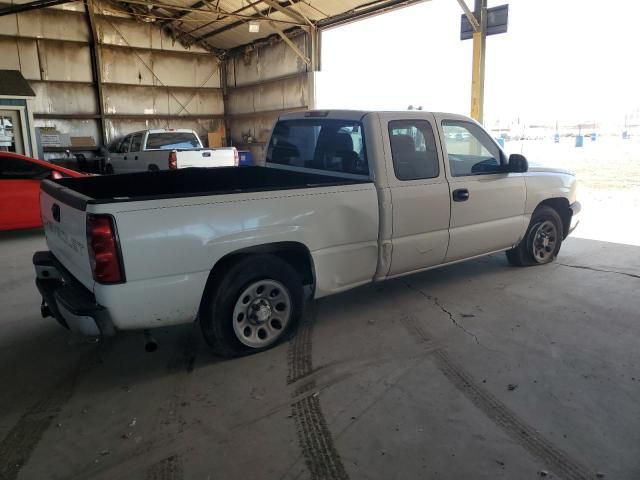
136	157
460	195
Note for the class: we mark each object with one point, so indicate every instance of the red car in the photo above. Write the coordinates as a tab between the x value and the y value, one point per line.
20	178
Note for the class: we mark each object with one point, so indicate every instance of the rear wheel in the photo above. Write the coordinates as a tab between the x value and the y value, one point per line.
541	243
153	168
254	306
108	169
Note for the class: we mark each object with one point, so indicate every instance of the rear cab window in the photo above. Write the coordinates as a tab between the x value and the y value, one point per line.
413	150
324	145
172	141
15	169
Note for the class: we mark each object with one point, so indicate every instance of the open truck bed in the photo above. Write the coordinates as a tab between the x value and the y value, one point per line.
188	182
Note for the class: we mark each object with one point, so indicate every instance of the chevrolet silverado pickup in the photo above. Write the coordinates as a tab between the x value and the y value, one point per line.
165	149
345	198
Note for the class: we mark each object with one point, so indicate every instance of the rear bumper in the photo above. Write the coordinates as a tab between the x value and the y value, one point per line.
67	300
576	208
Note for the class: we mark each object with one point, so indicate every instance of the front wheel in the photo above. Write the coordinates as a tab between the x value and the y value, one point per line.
541	243
254	306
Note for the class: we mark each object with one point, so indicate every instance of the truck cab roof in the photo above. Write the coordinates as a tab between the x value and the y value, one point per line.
357	115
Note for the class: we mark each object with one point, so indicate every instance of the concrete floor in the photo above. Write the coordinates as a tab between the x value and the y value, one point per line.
478	370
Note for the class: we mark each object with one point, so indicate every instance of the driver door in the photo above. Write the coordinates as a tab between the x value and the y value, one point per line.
487	203
20	193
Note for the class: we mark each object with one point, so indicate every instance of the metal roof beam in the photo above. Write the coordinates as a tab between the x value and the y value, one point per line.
37	4
285	11
240	22
284	37
470	16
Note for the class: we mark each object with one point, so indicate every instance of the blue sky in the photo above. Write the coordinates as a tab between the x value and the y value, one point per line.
571	60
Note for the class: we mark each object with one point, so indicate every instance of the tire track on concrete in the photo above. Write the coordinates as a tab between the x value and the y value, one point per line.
320	454
20	442
559	462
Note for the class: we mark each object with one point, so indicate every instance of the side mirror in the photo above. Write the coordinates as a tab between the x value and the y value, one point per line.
517	163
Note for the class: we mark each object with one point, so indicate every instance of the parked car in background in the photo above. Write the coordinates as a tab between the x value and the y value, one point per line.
20	179
346	198
165	149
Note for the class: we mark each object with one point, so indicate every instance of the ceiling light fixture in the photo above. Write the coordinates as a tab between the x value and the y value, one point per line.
254	26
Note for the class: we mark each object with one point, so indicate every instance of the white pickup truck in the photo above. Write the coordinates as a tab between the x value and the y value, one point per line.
346	198
165	149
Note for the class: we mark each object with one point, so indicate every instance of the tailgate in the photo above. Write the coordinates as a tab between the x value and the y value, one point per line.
206	158
66	232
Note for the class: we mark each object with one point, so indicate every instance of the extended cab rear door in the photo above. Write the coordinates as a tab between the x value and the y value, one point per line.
487	203
419	191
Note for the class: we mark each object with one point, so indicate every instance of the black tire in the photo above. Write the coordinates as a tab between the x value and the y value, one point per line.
223	298
108	169
153	168
530	251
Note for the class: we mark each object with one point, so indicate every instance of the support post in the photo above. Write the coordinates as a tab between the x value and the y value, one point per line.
224	83
477	73
96	64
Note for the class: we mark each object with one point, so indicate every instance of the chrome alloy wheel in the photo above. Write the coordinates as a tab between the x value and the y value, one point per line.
545	238
261	313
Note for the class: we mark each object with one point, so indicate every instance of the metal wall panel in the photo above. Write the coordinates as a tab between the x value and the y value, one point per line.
198	102
126	32
280	94
266	62
123	66
65	61
9	58
145	100
118	31
171	69
182	70
29	62
64	98
56	24
9	25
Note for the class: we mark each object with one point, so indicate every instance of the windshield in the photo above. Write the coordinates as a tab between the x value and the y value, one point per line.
320	144
172	140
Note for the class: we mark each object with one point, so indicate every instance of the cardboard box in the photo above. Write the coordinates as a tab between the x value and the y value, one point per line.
83	142
215	139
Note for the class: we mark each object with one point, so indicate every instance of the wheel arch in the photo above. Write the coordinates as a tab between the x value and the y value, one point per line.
561	206
295	254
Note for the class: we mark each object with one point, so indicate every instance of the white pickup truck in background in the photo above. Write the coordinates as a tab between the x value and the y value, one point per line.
346	198
165	149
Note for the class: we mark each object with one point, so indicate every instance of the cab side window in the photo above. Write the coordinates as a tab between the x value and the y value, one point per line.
413	150
470	150
136	142
124	146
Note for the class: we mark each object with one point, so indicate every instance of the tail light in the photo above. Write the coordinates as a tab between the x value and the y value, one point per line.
104	251
236	157
173	160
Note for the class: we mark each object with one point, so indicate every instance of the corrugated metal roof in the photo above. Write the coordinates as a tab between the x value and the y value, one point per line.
224	24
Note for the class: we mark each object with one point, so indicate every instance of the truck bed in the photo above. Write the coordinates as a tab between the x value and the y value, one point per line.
187	182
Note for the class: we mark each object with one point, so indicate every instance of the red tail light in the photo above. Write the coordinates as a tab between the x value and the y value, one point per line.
236	157
104	252
173	160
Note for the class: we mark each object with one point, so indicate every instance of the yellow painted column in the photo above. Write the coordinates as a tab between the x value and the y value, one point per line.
477	73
